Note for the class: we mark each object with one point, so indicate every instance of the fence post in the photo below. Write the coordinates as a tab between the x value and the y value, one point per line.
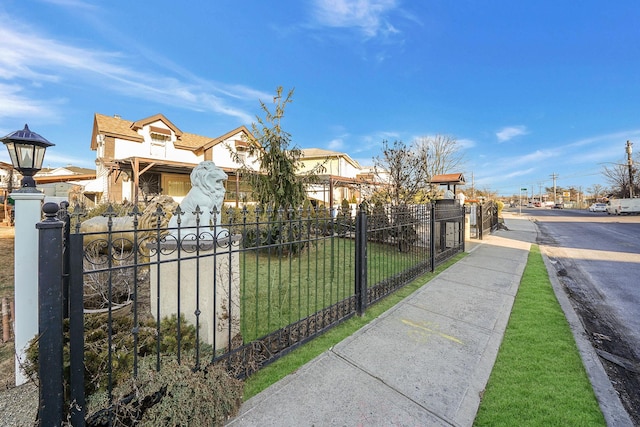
480	220
432	238
50	318
63	215
463	225
75	257
361	261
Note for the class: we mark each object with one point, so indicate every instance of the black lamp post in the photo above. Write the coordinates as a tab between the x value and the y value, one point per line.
26	149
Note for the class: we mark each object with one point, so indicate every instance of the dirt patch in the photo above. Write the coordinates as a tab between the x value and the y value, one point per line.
6	261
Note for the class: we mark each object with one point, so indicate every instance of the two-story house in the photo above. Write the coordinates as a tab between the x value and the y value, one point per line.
137	160
340	176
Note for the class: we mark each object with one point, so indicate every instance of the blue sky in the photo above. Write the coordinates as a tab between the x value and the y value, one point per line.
528	88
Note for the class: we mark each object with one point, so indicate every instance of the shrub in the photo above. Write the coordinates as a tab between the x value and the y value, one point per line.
174	396
96	355
177	395
378	224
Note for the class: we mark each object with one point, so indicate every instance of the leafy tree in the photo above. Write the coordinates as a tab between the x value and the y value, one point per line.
404	171
408	170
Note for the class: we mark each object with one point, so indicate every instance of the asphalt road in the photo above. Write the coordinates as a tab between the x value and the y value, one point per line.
597	258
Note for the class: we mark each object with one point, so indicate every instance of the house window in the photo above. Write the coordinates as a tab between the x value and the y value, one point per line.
159	145
176	185
101	147
242	149
237	191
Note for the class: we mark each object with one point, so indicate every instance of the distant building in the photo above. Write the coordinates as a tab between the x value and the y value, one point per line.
66	183
338	176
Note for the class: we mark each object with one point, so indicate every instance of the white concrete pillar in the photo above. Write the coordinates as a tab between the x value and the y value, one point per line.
217	266
28	212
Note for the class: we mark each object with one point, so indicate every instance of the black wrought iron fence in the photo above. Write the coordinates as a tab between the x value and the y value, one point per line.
239	291
486	218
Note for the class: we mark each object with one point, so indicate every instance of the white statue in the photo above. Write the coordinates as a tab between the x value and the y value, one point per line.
207	194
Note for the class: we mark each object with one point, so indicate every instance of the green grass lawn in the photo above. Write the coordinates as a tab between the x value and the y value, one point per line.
538	378
278	290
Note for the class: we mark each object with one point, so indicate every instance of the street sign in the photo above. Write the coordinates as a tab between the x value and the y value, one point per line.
523	189
566	194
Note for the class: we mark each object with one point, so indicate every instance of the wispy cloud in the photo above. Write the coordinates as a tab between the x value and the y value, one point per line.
336	144
589	153
466	143
29	60
534	157
73	4
370	17
610	138
16	105
518	173
510	132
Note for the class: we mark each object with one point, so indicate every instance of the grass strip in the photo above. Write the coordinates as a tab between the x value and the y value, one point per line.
538	378
305	353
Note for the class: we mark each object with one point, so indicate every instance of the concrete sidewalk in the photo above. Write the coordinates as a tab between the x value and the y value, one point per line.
425	362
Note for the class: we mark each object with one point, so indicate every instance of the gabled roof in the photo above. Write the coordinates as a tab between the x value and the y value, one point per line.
115	127
142	123
66	170
191	141
448	178
319	153
125	129
241	129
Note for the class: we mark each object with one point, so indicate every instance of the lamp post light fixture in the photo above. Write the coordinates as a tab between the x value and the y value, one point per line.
26	149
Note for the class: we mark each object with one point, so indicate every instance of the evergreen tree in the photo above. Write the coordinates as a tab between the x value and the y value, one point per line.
276	183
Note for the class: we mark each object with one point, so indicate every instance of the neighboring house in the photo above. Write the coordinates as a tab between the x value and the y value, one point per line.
9	178
340	176
66	183
376	178
9	181
137	160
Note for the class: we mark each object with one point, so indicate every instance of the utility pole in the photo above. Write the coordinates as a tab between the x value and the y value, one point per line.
473	187
554	176
630	164
540	192
533	194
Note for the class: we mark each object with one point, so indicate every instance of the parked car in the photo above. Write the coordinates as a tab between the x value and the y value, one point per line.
558	206
598	207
